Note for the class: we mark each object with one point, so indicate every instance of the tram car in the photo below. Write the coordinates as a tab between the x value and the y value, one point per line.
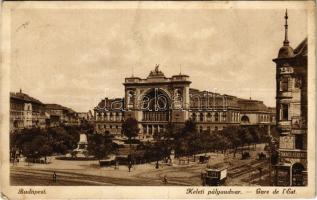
214	175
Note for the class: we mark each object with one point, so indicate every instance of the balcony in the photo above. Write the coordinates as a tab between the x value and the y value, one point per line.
285	124
284	94
296	153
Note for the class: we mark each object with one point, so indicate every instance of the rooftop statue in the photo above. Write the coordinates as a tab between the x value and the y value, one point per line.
157	68
156	72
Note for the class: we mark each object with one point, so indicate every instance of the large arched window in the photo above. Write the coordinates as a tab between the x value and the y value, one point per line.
156	106
209	117
194	116
200	129
201	117
15	124
111	116
245	119
297	174
224	116
216	117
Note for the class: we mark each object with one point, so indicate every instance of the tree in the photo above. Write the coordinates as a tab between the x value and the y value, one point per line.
45	150
100	145
232	133
190	127
130	128
170	131
185	139
220	142
87	127
34	143
245	136
255	133
63	138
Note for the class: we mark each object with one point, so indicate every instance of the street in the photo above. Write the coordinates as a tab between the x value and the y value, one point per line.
240	172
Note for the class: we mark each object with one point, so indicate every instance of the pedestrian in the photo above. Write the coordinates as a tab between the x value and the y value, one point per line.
129	166
54	177
116	165
165	179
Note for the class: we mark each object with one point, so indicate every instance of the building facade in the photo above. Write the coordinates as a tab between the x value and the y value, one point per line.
59	114
291	109
157	101
26	112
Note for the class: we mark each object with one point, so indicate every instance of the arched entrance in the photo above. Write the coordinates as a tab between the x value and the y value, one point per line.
156	111
297	174
156	106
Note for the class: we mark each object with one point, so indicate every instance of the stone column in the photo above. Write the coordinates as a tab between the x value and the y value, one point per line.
108	116
102	116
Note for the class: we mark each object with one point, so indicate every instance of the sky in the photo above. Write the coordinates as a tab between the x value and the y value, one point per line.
76	57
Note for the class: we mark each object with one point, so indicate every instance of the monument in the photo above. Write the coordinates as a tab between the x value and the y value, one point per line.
81	150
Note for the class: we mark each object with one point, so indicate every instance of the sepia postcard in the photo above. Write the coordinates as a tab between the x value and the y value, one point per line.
157	99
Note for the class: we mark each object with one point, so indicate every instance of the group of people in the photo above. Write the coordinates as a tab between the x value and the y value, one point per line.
15	161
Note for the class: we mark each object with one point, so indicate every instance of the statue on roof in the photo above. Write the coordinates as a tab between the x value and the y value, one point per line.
156	72
157	68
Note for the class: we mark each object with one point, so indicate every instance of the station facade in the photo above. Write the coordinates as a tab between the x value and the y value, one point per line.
157	101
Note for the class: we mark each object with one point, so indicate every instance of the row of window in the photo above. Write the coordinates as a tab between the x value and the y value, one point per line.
100	114
209	128
151	129
216	117
109	116
104	126
264	118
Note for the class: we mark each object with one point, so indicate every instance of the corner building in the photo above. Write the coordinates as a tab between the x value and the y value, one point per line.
26	112
291	109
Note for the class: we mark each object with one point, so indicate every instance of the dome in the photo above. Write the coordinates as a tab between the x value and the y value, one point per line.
286	52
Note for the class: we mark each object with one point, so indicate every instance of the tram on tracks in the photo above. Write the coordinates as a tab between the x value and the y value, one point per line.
214	175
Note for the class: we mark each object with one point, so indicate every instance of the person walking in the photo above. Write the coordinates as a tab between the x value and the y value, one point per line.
116	166
54	177
157	165
129	166
165	179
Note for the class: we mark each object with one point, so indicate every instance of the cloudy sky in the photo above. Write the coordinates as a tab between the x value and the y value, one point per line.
72	57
